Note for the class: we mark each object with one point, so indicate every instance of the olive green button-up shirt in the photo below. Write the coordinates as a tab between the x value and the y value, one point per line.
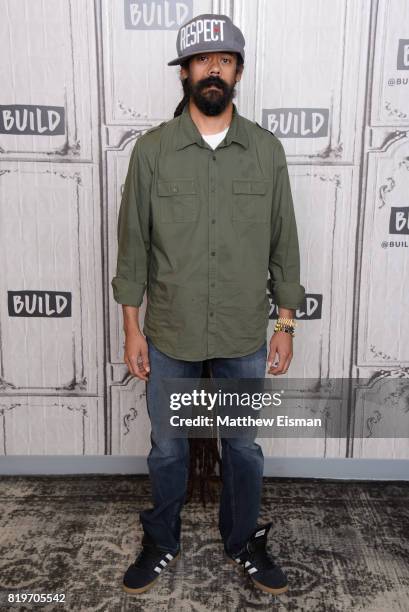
200	229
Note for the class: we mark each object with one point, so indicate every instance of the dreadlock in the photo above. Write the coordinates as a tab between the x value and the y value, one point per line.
185	99
204	452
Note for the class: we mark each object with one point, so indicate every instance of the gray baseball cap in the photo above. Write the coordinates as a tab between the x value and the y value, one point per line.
208	33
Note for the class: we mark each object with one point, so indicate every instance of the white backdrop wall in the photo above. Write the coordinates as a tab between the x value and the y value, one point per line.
81	80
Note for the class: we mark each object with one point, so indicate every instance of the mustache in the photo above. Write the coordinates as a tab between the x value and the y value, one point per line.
212	81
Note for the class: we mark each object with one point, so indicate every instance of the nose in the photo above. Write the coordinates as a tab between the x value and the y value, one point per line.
214	68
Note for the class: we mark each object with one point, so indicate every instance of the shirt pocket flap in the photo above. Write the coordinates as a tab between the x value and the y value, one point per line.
176	187
249	186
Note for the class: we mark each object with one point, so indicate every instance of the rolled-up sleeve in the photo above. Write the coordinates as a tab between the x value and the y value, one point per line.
130	281
284	262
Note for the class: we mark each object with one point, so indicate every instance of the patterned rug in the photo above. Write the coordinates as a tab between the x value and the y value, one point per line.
344	546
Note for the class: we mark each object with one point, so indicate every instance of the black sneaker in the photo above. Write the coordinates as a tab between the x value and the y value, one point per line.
147	566
262	569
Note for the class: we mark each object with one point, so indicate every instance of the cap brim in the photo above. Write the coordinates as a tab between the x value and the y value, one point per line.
174	62
177	61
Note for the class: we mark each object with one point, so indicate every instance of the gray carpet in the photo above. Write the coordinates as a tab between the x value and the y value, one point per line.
344	546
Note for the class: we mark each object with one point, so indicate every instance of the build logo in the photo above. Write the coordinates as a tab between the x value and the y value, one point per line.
31	119
399	220
310	309
296	122
49	304
402	61
157	14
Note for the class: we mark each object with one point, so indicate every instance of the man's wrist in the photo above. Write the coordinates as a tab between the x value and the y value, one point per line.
285	322
131	320
286	313
130	330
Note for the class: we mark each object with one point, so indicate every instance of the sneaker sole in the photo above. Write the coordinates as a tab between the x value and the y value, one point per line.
259	585
147	586
267	589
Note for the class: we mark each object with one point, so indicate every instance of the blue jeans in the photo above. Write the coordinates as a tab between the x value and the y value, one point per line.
168	459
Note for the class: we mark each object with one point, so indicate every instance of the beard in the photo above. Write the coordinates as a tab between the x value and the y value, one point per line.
210	102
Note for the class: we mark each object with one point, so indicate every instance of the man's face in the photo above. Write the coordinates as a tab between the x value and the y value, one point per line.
211	79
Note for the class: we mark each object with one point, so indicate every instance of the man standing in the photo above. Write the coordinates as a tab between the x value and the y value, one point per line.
206	213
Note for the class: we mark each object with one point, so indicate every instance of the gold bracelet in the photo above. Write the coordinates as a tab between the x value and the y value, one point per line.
287	321
283	327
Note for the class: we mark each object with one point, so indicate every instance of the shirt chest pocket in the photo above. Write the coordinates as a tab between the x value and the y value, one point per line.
178	200
250	200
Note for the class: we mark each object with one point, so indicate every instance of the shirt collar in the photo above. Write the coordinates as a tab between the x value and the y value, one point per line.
188	132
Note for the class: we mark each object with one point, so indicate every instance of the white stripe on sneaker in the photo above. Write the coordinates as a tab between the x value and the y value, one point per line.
252	570
247	563
259	533
237	560
169	556
158	569
164	563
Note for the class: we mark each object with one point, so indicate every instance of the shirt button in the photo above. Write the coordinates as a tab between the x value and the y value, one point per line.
212	285
211	314
213	221
214	157
213	253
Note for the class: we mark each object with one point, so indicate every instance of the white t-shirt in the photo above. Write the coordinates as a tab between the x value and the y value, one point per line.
214	139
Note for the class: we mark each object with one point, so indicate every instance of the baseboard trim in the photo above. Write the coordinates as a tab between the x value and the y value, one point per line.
293	467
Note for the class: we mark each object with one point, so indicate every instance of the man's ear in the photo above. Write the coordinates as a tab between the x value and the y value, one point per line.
239	73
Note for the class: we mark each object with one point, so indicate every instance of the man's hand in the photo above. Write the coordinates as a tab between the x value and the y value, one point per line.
136	354
282	343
